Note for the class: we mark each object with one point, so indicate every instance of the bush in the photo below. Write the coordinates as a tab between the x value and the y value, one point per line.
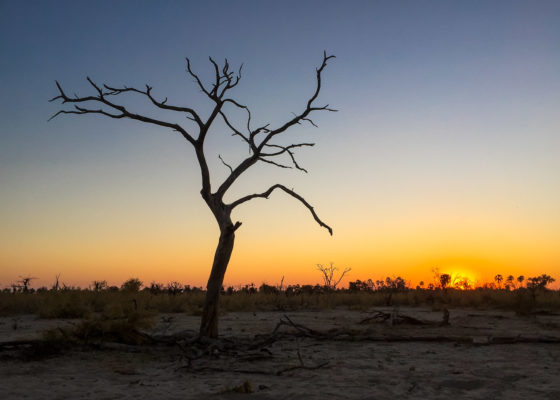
132	285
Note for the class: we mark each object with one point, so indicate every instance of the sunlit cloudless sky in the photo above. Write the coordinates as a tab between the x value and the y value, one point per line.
444	154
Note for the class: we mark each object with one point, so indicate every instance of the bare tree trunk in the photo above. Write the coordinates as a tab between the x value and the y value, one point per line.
209	323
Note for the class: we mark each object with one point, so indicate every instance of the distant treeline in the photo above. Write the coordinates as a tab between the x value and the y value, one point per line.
132	297
389	284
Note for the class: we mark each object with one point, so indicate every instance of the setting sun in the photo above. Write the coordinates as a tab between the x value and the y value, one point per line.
462	278
296	199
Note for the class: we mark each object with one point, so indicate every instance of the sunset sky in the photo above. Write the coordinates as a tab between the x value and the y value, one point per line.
445	152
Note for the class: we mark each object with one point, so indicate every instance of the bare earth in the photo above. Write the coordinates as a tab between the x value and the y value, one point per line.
466	359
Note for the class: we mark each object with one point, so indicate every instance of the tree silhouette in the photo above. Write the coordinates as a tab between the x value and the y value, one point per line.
499	278
330	281
132	285
510	282
98	286
540	282
444	280
260	140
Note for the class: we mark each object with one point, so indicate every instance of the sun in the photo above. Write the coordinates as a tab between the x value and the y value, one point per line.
461	278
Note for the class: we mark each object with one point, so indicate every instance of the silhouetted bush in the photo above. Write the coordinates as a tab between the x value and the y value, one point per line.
132	285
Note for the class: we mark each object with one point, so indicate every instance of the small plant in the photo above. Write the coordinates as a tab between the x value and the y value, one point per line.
156	288
174	288
23	285
56	285
98	286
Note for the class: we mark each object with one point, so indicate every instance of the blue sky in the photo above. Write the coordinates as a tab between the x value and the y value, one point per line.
447	123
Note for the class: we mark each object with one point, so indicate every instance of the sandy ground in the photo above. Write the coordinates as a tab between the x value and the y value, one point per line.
355	369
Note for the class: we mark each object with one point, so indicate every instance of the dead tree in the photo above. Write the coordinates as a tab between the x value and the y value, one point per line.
260	140
327	273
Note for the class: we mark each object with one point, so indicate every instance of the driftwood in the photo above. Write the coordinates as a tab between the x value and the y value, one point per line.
396	318
241	354
302	366
345	334
197	347
238	355
200	355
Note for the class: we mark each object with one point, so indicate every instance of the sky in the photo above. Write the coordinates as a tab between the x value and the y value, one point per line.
444	152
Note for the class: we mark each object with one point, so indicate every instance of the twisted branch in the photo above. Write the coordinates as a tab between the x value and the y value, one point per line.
224	80
258	149
226	164
123	112
160	104
308	109
288	191
288	150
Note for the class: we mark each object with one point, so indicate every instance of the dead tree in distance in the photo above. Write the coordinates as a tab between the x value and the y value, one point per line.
329	279
260	141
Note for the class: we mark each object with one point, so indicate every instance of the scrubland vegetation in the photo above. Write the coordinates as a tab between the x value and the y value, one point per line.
522	296
131	338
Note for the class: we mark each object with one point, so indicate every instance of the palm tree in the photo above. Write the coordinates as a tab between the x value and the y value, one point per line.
510	282
499	278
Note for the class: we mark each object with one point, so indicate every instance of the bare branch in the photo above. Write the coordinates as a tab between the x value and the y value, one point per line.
235	103
319	70
62	112
95	86
288	191
62	96
324	108
226	164
346	270
237	78
223	81
242	167
263	128
237	132
295	162
286	149
82	110
252	133
274	163
225	70
327	273
308	109
197	79
310	121
217	83
193	116
124	113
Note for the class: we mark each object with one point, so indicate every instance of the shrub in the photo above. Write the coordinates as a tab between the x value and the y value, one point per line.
132	285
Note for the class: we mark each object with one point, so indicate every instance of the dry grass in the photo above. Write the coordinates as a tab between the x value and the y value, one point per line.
87	303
